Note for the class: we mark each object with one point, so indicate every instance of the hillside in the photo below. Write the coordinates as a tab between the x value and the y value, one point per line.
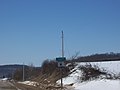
78	76
49	70
82	80
8	70
78	73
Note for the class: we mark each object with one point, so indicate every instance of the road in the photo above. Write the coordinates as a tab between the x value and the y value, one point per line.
5	85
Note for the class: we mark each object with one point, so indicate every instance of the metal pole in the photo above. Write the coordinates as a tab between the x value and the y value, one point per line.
23	72
62	56
62	44
61	78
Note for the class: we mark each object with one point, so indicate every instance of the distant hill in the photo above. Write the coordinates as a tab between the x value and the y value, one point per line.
99	57
8	70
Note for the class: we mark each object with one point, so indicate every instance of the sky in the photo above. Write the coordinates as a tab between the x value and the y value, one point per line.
30	30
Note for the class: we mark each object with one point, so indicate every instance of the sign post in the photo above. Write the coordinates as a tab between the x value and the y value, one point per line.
61	60
61	64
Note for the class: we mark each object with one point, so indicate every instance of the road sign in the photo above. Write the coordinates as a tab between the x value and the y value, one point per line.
60	59
61	64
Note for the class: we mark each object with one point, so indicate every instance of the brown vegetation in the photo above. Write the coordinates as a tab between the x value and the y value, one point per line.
49	73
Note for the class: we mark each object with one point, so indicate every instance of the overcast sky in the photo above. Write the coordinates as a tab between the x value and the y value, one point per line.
30	30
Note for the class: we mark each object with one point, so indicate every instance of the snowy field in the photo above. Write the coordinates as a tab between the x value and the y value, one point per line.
111	66
98	84
31	83
104	84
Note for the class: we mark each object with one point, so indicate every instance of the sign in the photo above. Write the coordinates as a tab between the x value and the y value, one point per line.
60	59
61	64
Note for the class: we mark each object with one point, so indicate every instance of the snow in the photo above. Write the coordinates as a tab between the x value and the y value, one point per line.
31	83
99	84
4	79
73	77
111	66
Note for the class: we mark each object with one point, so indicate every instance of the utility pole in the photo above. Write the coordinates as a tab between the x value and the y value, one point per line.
23	72
61	60
62	44
62	57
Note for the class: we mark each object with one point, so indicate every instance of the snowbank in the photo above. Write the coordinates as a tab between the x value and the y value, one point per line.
4	79
73	77
104	84
31	83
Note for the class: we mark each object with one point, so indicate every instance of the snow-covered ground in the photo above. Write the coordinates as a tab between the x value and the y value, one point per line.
104	84
4	79
98	85
111	66
31	83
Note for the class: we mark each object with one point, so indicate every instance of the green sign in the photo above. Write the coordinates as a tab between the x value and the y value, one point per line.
60	59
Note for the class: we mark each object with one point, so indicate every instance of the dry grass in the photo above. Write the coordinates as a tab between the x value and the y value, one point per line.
40	87
10	88
27	87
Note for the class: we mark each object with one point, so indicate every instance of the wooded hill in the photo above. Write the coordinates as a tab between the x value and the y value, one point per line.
99	57
8	70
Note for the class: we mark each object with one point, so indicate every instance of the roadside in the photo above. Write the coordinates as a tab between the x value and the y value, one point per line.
40	86
25	87
6	85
